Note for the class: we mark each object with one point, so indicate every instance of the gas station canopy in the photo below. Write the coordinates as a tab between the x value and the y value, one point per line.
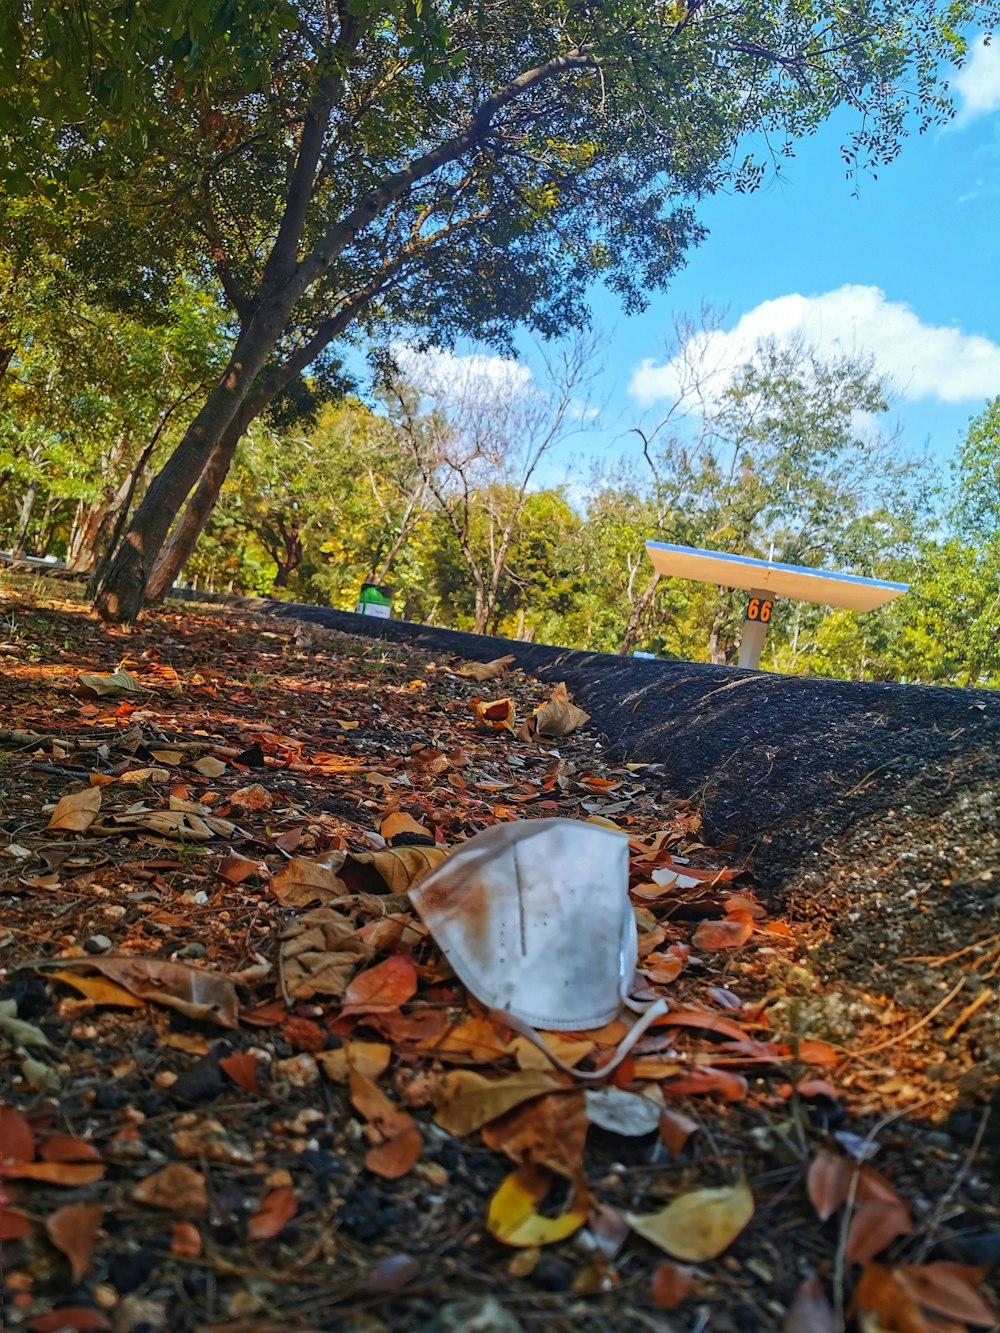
797	581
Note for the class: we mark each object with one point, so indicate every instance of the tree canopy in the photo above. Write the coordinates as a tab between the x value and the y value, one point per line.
453	169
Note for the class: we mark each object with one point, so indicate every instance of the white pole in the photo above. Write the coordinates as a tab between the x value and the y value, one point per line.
758	617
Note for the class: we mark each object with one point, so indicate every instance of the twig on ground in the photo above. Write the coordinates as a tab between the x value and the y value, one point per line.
968	1011
921	1023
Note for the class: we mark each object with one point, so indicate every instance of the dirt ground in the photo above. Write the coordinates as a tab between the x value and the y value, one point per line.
272	1159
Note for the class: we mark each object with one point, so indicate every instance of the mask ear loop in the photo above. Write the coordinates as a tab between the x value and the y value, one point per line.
650	1015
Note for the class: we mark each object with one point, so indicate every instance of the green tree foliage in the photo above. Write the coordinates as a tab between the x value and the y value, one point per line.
86	393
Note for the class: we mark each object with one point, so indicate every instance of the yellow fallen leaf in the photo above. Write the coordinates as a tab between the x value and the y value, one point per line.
512	1216
565	1048
100	990
98	686
396	823
77	811
699	1225
168	756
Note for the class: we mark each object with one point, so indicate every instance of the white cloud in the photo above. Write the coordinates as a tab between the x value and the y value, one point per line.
921	360
440	373
977	83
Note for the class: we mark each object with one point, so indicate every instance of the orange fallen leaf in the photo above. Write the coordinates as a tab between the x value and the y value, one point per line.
498	714
69	1174
706	1079
382	988
79	1318
812	1052
178	1188
398	1155
376	1107
65	1148
196	992
235	869
370	1058
242	1068
879	1293
276	1210
100	990
185	1240
17	1138
706	1019
476	1041
73	1230
15	1224
728	934
675	1130
671	1283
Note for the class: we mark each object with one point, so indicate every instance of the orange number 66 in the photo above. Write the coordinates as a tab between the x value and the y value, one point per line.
759	609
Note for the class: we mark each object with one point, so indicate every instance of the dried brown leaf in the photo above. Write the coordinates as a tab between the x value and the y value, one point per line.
303	881
196	992
550	1132
488	670
466	1101
76	812
320	952
401	868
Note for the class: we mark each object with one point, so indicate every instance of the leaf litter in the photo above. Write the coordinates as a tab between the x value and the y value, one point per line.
377	1142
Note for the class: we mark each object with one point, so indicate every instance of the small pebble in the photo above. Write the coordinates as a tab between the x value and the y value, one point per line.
97	944
194	950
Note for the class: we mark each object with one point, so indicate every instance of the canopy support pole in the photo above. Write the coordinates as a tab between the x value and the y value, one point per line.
758	617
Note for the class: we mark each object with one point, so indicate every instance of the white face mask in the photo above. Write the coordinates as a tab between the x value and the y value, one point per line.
536	921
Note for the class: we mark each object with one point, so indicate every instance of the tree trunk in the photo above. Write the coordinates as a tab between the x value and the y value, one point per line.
124	589
184	538
27	509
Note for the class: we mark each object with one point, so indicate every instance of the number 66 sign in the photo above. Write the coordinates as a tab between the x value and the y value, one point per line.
759	608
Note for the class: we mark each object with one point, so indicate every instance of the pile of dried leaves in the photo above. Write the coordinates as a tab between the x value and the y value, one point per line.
241	1089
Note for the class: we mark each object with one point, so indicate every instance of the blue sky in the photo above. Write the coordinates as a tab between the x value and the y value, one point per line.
904	266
